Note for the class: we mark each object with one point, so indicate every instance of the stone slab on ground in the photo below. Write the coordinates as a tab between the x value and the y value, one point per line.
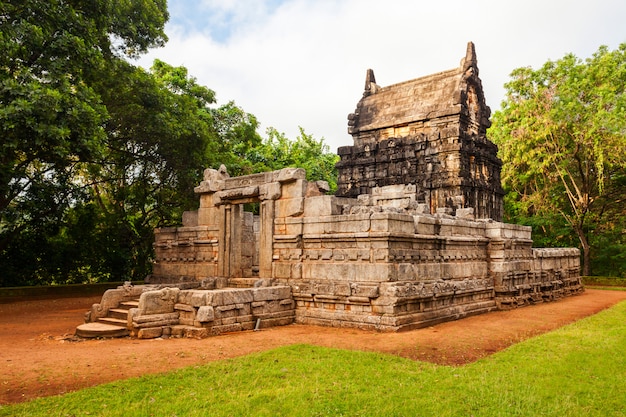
95	329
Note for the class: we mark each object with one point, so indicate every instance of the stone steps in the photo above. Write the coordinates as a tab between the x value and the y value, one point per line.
118	313
127	305
113	321
113	325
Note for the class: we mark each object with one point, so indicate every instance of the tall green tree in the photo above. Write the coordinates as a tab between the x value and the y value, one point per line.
156	136
562	135
51	119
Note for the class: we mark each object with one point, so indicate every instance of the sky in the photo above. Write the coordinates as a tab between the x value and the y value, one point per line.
302	63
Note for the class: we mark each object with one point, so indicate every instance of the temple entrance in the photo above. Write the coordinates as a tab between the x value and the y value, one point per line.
250	241
247	232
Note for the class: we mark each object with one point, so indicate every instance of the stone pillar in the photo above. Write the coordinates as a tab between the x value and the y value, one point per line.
223	239
266	231
234	243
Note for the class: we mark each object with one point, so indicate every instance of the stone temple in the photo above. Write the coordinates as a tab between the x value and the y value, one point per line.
413	236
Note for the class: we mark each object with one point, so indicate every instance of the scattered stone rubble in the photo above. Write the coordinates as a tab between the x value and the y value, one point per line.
412	238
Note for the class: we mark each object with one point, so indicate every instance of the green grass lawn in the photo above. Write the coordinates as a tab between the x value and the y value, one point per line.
578	370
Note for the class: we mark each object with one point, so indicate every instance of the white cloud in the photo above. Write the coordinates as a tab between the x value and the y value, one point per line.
303	62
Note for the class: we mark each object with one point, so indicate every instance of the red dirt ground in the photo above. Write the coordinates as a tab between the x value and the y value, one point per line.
39	356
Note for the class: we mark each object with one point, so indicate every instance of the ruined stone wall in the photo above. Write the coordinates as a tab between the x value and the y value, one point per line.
384	264
185	254
543	274
202	313
380	261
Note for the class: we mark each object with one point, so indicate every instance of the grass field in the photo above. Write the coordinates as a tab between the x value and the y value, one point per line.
578	370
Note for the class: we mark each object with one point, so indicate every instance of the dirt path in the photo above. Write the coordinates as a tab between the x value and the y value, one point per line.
38	357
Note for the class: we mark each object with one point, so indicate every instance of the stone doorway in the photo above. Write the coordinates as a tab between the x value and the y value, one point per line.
242	233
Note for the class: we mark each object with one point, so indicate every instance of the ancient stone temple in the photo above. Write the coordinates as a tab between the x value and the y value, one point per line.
429	132
413	237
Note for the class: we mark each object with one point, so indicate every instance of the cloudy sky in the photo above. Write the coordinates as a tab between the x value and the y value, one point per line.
302	63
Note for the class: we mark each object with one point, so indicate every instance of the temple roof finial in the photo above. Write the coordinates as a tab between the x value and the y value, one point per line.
470	59
370	83
369	78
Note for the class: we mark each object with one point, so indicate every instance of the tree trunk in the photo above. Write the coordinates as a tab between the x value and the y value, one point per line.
586	269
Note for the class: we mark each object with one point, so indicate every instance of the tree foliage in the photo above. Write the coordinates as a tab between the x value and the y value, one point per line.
51	116
277	151
562	134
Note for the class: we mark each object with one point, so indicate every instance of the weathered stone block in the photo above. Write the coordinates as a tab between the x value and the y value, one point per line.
465	213
215	298
190	218
157	302
196	332
184	297
342	289
199	298
205	314
282	270
286	303
187	317
349	224
150	333
153	320
392	223
294	189
289	174
132	313
505	230
183	307
360	290
236	327
293	226
271	293
270	191
207	215
290	207
324	205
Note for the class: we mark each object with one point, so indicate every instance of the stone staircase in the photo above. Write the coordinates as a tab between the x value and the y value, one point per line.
115	324
172	311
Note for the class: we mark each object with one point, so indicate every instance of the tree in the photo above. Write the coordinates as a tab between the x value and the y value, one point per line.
51	119
562	134
277	151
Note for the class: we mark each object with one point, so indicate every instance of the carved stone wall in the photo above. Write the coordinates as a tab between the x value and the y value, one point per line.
381	262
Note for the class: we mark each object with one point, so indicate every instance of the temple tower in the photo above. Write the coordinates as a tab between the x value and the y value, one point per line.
429	132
